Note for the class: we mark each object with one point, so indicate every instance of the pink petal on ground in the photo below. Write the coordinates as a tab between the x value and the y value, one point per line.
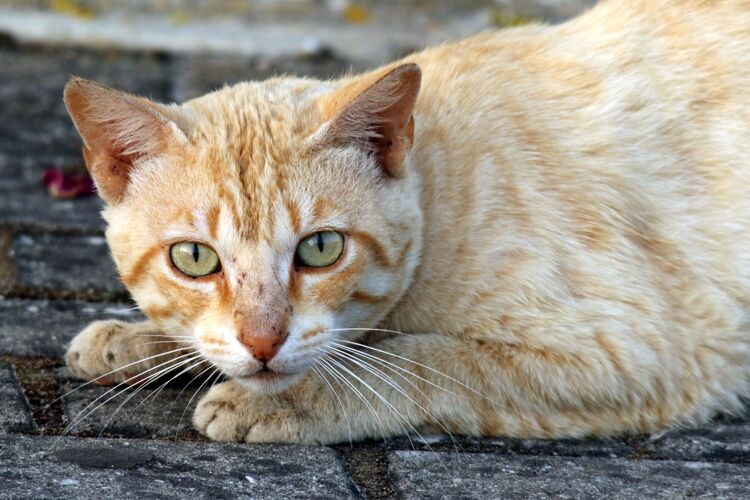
64	185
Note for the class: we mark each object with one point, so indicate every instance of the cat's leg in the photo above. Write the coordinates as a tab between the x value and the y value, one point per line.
434	383
114	351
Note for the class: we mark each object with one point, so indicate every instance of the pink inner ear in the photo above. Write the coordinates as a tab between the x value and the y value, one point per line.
117	129
380	117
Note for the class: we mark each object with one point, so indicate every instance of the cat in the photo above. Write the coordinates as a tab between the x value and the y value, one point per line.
542	231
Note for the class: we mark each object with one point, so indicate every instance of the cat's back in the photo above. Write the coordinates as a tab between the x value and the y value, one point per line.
607	156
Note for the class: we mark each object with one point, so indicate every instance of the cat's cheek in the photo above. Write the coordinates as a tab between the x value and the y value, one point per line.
357	315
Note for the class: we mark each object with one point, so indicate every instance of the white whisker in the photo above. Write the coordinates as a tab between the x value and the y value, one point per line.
141	386
340	378
216	370
123	383
110	373
382	399
343	410
438	372
388	380
395	367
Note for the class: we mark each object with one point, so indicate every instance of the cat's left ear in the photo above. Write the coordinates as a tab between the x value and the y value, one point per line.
375	113
118	131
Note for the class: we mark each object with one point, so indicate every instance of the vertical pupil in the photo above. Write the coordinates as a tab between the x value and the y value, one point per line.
320	242
196	252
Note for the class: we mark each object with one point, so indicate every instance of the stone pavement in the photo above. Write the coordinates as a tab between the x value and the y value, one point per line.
56	276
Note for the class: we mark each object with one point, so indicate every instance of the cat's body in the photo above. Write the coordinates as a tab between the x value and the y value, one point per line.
566	230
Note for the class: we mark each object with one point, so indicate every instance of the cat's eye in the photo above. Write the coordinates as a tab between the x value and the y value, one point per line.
320	249
194	259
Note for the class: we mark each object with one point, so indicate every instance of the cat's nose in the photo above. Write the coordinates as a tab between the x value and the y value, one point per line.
263	347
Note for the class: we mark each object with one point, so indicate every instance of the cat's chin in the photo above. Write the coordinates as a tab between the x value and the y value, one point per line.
268	382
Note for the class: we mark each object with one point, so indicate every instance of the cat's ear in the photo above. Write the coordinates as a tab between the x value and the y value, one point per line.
376	113
118	130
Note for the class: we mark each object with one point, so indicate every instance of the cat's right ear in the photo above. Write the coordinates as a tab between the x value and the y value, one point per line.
118	130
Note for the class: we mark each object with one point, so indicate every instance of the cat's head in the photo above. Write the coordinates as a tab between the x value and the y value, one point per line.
261	219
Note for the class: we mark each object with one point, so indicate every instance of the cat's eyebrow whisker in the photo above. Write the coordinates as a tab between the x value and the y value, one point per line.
45	407
120	385
438	372
83	413
354	356
327	366
322	376
189	361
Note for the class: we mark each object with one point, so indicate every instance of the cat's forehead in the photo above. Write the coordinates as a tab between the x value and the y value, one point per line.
267	109
247	161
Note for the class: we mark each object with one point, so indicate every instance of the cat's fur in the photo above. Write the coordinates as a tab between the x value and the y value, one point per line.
563	227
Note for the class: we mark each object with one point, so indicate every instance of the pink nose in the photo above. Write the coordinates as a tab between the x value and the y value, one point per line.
263	347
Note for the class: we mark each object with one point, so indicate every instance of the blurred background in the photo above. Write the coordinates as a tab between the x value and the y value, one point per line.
172	50
362	30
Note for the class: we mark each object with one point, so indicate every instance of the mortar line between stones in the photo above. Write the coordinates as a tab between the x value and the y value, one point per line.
367	467
40	386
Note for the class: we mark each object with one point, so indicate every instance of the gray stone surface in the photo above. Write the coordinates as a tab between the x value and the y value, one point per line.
150	411
606	447
44	328
15	414
448	475
32	114
722	441
200	74
76	264
42	467
25	203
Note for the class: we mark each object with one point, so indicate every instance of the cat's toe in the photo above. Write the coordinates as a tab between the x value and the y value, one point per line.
218	415
92	353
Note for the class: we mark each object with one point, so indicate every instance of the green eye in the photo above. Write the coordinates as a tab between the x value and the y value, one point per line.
194	259
320	249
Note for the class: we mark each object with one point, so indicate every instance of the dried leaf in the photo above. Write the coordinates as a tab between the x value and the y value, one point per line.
73	8
356	14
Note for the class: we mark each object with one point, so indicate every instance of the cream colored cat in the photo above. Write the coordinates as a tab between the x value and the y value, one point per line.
556	219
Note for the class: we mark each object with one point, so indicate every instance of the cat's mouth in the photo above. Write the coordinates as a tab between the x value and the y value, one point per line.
266	374
268	381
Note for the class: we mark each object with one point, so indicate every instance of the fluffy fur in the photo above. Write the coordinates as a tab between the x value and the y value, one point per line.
559	225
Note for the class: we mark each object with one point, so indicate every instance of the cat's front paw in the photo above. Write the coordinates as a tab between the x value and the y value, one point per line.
100	348
230	413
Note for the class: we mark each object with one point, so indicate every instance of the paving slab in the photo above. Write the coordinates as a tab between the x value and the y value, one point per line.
71	265
605	447
25	203
32	114
31	328
15	413
152	411
425	475
46	467
719	441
